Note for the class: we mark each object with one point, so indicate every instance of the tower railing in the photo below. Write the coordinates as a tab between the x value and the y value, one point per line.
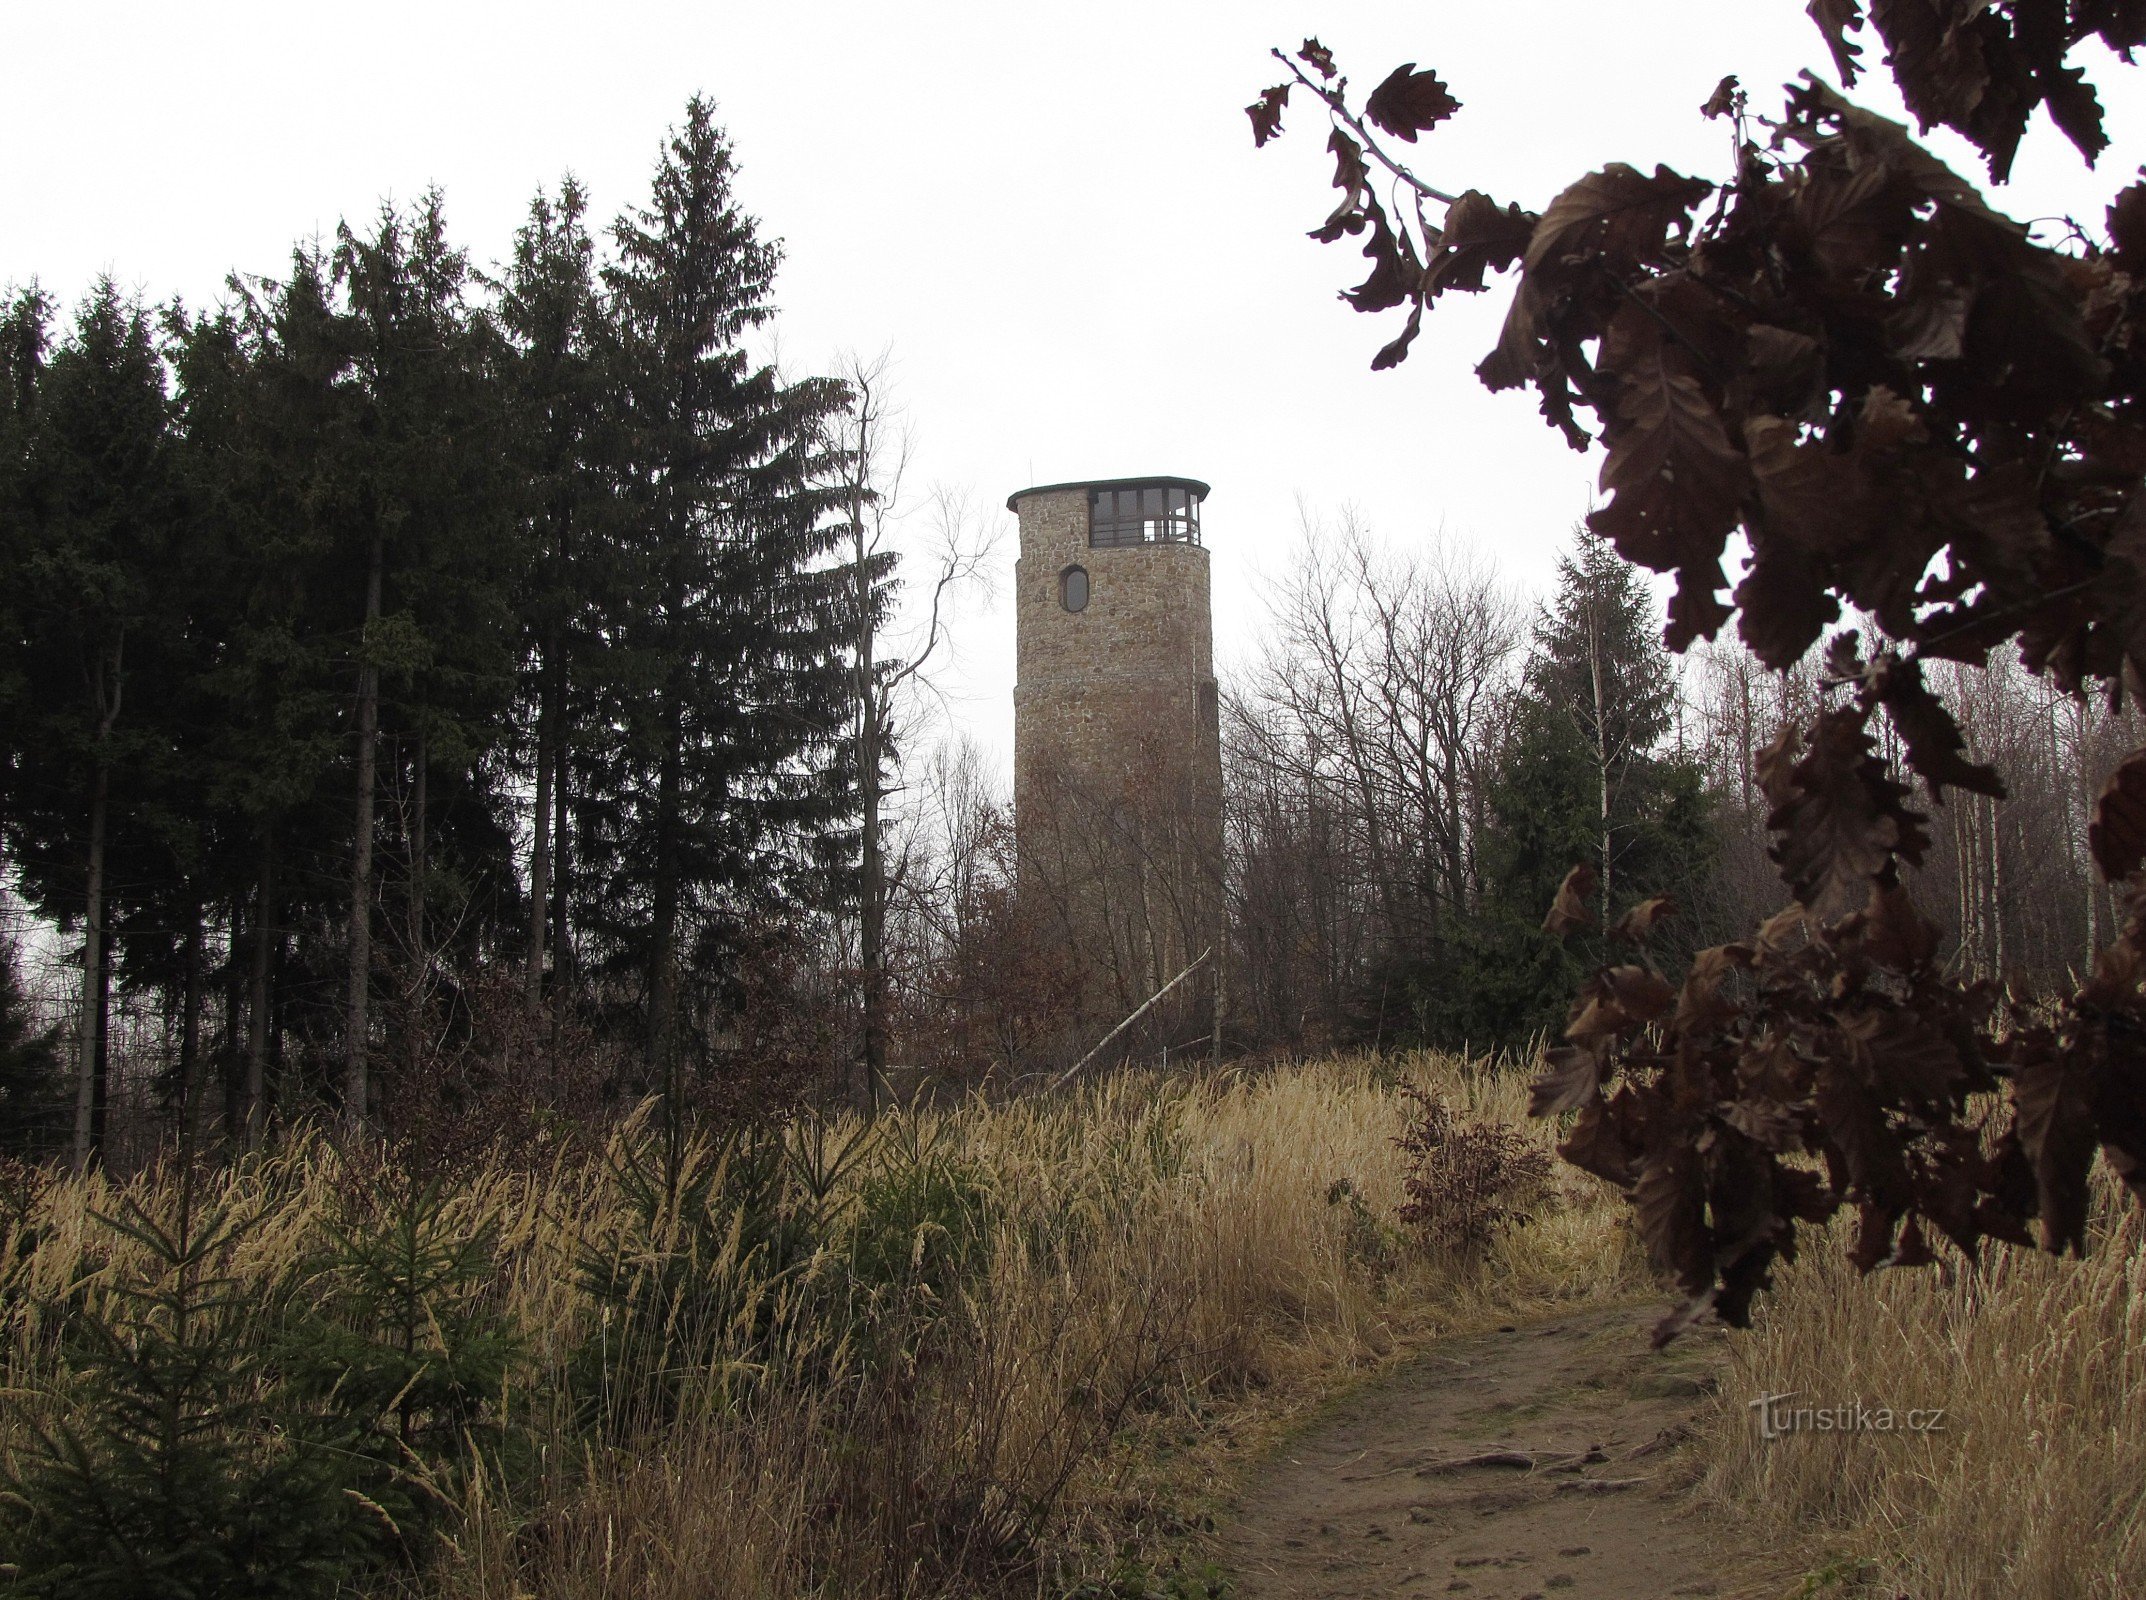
1143	514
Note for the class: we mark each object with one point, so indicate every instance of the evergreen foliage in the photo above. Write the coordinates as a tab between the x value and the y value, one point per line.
34	1106
304	595
174	1472
1598	654
402	1349
727	691
1582	776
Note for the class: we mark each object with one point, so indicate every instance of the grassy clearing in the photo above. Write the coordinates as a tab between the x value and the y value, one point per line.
992	1349
2036	1482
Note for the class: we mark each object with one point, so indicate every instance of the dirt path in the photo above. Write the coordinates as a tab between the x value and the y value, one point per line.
1532	1464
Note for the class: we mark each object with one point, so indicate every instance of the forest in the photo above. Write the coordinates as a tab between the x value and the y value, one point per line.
399	654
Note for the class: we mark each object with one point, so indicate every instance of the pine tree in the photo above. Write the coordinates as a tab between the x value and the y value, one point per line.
726	677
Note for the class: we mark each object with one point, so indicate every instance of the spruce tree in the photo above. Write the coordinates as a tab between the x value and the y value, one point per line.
433	560
264	467
726	675
553	317
1598	666
1582	776
173	1467
25	340
34	1103
92	537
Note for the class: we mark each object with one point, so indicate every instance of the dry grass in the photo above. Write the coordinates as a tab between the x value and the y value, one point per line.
1167	1267
2036	1483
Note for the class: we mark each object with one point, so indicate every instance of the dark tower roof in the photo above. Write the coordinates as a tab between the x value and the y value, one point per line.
1197	488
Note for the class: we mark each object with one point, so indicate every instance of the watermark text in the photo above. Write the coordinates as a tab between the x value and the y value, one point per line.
1780	1415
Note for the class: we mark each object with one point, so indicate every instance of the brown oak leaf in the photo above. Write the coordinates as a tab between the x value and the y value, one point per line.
1600	1140
1409	102
2053	1114
1935	746
1568	912
1617	217
1638	924
1618	1000
1669	1204
1266	114
1676	480
1837	19
1573	1078
1479	236
2117	831
1837	816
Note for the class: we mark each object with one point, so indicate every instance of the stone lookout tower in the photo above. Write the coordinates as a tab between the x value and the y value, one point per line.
1117	736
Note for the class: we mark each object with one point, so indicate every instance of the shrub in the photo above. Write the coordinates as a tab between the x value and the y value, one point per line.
1465	1181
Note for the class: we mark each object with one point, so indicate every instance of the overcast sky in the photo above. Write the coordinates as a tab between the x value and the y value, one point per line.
1051	214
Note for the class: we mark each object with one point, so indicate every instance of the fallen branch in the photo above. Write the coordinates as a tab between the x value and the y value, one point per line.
1067	1076
1516	1460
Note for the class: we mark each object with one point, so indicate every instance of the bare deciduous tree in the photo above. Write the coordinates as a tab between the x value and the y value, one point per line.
1358	752
890	658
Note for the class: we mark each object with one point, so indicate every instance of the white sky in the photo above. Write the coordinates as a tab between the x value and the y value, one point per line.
1052	214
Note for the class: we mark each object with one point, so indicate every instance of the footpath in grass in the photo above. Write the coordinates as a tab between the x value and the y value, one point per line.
1549	1458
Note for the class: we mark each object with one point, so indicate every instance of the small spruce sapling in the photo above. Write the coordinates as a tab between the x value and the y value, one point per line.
403	1349
172	1471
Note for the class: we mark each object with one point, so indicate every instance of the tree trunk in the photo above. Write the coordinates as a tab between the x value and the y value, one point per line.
1602	758
257	996
659	1057
356	1088
2086	812
92	1015
88	1140
231	1054
872	931
1746	738
872	909
101	1077
190	1027
540	830
562	949
418	974
419	801
1998	953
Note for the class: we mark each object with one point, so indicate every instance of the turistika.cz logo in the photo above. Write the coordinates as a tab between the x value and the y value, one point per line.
1778	1418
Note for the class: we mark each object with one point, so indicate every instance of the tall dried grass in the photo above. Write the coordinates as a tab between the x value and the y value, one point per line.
1161	1260
2035	1483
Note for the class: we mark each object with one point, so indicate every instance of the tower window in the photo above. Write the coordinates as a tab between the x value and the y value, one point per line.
1073	588
1150	513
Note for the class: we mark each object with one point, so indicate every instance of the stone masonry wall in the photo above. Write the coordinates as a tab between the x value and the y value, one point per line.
1117	745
